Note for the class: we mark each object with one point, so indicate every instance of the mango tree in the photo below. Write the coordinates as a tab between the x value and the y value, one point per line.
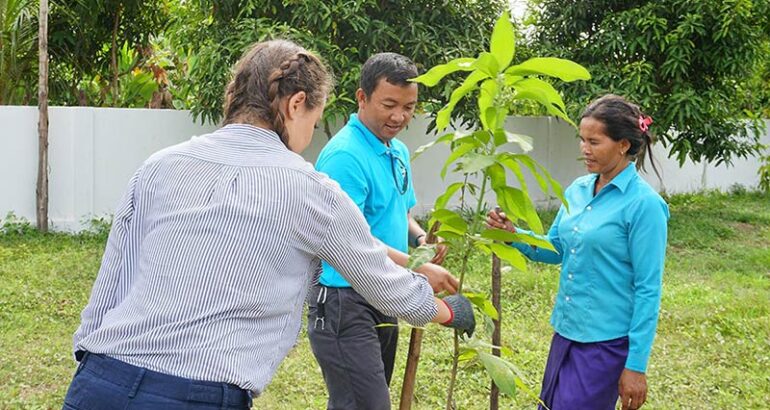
482	160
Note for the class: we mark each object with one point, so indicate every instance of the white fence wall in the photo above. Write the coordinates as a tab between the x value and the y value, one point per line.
94	151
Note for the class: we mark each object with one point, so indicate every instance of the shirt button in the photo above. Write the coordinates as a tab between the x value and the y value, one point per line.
572	250
588	207
567	299
575	229
569	276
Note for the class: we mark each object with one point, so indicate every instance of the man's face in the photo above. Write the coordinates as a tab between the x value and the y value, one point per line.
388	110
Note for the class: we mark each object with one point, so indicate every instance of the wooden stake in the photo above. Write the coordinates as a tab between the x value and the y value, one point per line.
494	393
415	345
41	193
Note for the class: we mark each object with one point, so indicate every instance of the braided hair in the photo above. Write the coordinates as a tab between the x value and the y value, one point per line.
265	75
624	120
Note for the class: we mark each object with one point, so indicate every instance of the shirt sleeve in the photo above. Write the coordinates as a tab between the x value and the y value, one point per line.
363	262
539	254
105	292
344	168
647	246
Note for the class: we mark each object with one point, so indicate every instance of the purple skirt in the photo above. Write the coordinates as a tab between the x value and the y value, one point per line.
583	376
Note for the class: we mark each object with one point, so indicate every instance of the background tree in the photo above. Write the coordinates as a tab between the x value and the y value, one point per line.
18	51
692	64
345	33
97	44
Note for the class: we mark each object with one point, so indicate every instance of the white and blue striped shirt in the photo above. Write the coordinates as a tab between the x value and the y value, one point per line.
211	254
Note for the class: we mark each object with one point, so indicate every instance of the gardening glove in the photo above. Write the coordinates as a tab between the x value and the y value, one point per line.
461	317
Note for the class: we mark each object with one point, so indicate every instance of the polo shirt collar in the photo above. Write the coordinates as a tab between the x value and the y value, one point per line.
377	146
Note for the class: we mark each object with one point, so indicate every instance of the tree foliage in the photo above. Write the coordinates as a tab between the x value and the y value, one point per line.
694	65
18	51
344	32
96	46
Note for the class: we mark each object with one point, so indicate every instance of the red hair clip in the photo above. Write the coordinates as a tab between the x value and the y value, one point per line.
644	123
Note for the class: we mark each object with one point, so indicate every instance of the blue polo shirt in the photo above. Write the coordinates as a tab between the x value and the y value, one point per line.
611	248
377	178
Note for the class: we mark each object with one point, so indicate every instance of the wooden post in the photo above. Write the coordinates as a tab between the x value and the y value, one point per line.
494	393
42	124
415	345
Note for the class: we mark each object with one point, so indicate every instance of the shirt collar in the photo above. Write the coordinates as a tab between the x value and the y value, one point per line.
625	176
620	181
250	133
377	146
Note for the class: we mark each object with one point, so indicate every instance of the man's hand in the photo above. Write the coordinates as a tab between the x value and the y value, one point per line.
632	389
460	314
439	278
496	218
441	250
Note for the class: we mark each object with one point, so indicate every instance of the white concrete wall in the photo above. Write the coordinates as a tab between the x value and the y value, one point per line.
94	151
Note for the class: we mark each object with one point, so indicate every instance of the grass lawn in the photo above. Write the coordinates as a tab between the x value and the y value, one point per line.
712	350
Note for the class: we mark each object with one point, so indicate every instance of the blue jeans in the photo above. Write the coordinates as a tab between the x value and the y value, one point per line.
102	382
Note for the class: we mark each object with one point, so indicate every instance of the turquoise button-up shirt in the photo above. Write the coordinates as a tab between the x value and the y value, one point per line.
374	175
612	248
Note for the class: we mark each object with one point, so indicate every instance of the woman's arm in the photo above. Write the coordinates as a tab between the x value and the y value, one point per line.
498	219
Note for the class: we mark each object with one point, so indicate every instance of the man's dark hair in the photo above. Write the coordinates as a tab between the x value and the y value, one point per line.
394	68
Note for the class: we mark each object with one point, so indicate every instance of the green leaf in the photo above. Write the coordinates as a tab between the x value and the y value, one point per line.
505	236
542	176
510	255
500	372
487	63
497	176
562	69
457	153
483	303
473	162
469	84
502	43
544	93
523	141
487	94
442	200
442	139
420	256
450	219
509	199
449	234
467	355
435	74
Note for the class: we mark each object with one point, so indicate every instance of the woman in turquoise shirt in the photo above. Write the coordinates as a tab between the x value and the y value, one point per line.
611	245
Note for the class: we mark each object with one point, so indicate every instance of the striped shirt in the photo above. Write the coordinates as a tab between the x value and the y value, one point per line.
211	254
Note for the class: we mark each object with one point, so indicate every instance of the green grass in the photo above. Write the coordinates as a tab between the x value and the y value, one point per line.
712	350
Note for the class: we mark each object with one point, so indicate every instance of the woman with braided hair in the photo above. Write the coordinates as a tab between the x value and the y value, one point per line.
214	247
611	244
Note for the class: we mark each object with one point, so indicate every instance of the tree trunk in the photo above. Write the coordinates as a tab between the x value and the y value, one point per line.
114	55
42	125
494	393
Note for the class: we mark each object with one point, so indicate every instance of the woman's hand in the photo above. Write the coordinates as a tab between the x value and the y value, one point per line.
632	389
496	218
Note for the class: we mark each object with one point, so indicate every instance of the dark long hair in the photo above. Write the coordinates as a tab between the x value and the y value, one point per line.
624	120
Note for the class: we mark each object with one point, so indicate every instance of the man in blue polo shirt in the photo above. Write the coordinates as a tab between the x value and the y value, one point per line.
372	166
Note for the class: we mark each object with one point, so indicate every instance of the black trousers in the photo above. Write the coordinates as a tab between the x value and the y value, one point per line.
356	356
